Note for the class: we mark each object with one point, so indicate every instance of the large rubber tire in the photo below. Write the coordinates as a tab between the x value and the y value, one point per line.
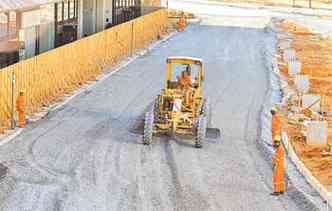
148	128
206	111
200	131
156	108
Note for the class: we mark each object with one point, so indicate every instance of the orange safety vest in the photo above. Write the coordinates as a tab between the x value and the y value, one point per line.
181	23
278	170
275	126
20	104
181	82
187	81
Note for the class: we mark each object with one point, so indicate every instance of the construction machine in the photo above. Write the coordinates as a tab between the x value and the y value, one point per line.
180	108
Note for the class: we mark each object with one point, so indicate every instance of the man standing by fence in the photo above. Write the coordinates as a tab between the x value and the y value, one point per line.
20	108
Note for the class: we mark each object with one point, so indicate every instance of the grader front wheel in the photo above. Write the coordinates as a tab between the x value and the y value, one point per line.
200	132
148	128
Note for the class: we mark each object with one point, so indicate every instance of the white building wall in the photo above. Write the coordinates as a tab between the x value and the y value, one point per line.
47	28
96	15
80	20
89	17
108	12
29	19
100	14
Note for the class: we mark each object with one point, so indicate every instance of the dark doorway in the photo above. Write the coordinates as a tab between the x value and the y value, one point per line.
125	10
8	58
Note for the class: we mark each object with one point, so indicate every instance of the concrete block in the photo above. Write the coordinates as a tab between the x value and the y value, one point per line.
302	83
294	67
317	133
284	36
289	55
326	103
309	99
285	44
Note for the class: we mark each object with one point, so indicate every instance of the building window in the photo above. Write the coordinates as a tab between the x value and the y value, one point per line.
66	26
125	10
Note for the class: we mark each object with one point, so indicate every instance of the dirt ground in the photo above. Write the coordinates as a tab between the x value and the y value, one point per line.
318	67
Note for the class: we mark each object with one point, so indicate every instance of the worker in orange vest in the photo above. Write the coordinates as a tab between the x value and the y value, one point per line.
278	177
20	108
184	80
275	124
181	22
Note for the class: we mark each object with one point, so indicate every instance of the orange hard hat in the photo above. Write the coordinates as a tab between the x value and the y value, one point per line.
274	108
277	138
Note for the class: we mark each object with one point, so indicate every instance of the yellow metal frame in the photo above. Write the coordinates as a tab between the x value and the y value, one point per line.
175	122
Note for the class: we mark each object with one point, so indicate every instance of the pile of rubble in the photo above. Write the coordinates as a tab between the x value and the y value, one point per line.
305	65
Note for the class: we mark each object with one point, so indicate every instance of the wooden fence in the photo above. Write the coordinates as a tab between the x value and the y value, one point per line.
58	72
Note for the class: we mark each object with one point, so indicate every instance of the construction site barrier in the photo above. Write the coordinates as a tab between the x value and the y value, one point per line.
56	73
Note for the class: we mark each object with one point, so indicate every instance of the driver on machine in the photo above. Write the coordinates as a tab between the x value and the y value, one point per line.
184	80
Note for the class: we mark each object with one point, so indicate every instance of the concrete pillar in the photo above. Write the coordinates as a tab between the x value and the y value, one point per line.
108	12
100	10
89	17
18	23
80	19
8	22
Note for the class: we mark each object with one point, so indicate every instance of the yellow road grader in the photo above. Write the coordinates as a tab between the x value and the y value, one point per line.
180	108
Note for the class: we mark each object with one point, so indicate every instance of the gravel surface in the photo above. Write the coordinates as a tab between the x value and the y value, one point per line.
84	157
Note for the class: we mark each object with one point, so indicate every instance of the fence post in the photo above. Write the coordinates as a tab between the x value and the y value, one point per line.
12	122
132	39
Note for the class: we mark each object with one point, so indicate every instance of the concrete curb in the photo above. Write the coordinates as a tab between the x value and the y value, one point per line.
105	75
324	193
11	136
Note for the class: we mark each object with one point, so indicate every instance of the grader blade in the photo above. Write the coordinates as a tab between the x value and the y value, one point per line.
213	133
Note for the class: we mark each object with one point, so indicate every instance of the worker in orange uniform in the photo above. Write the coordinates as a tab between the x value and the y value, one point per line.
278	177
181	22
275	124
181	81
184	80
20	108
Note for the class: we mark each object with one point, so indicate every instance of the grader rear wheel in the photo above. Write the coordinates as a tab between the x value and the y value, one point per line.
148	128
200	131
156	108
